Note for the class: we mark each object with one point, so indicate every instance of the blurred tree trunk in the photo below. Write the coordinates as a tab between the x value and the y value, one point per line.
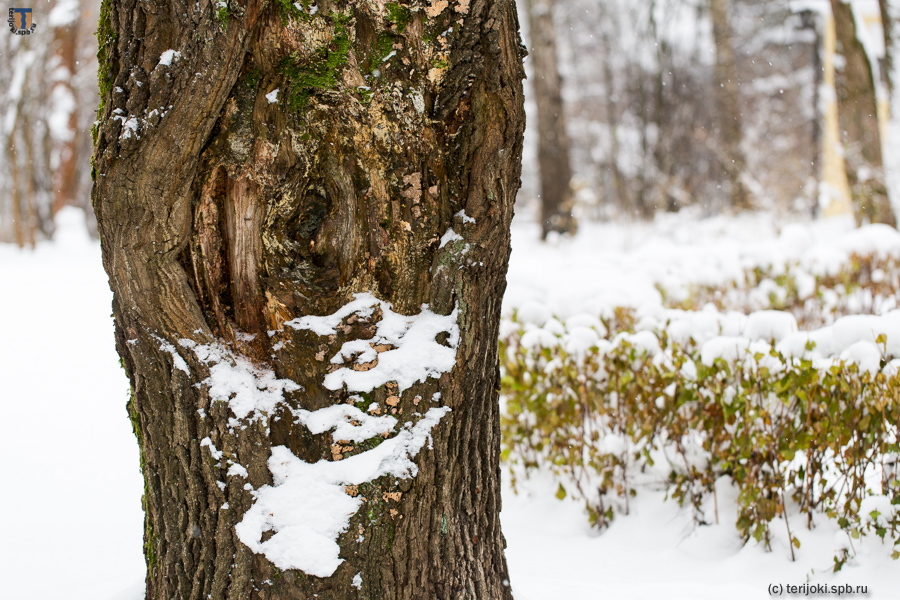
811	21
858	121
258	162
662	118
623	199
890	13
48	104
888	9
64	100
728	100
25	189
553	140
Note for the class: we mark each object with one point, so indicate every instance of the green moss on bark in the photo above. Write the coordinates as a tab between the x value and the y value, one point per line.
150	541
384	45
288	10
150	538
223	12
398	15
251	79
106	39
308	76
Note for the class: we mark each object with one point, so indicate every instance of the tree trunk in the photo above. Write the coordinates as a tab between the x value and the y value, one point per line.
887	9
728	99
812	21
280	189
65	95
858	121
553	141
25	189
890	13
622	195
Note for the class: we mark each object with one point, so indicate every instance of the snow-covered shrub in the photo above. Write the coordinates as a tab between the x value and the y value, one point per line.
608	407
816	292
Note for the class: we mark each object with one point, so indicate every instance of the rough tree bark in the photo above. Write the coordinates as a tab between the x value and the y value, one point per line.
553	140
858	121
728	101
385	163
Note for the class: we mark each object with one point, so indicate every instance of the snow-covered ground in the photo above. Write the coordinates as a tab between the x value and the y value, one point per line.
70	514
620	264
70	518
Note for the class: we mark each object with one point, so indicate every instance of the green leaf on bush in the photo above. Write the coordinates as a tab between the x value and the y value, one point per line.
561	492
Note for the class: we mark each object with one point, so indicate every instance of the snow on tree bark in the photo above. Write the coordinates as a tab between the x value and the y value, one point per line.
276	185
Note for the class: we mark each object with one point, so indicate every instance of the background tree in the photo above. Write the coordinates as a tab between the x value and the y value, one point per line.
728	101
890	14
858	119
258	163
553	139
